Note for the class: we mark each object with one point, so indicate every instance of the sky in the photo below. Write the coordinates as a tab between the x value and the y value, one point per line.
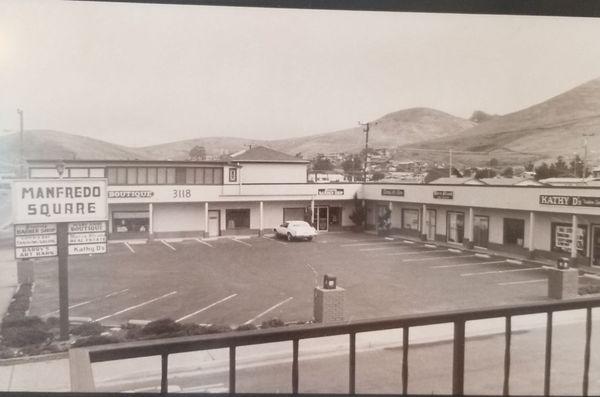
144	74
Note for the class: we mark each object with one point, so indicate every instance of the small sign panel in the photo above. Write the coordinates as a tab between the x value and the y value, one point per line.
571	201
443	194
87	227
87	238
35	228
35	240
331	192
85	249
36	252
392	192
59	200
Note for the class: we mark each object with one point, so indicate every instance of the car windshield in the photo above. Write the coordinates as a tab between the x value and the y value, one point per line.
298	224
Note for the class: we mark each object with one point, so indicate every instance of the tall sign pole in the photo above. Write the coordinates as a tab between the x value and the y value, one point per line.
21	147
63	278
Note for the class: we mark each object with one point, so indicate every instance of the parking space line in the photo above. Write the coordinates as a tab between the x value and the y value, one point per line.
268	310
205	308
129	246
454	250
275	240
408	242
467	264
137	306
242	242
364	244
88	302
501	271
524	281
430	245
204	242
413	252
168	245
436	257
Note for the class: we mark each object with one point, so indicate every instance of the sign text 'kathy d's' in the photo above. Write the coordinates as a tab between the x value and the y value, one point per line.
60	200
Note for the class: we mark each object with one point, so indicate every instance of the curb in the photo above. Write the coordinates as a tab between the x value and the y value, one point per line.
32	359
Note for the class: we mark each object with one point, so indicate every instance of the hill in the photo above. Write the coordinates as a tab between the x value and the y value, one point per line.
543	131
215	146
48	144
392	130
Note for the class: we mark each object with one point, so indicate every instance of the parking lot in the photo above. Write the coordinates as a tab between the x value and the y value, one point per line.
233	281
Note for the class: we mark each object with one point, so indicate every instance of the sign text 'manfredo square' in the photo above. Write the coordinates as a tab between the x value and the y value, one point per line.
59	200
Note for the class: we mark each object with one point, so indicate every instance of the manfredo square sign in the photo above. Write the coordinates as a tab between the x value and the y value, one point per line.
60	217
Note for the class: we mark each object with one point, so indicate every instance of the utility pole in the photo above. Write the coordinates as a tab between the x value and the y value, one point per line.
21	148
450	168
585	152
366	130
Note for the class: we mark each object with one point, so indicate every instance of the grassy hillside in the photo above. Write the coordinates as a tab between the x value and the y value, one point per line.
553	127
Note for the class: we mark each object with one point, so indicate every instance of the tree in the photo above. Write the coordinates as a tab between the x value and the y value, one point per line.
529	166
560	167
479	116
359	215
577	167
377	175
543	171
494	162
197	153
508	172
321	163
485	173
352	165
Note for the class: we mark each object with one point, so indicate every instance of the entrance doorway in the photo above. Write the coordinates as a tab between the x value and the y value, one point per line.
335	218
455	227
321	219
514	231
596	245
481	231
431	224
214	223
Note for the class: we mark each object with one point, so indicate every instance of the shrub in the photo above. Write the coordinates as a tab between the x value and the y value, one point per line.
217	329
246	327
95	340
192	329
589	289
23	336
272	323
13	321
53	322
88	329
161	327
359	215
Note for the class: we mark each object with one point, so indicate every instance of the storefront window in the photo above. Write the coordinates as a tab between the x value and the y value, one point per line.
410	219
130	221
237	219
514	231
151	176
562	237
142	174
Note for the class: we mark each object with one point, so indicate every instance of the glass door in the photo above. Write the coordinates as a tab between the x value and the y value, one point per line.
321	218
455	227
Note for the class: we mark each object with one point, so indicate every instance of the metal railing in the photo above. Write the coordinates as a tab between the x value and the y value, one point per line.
81	359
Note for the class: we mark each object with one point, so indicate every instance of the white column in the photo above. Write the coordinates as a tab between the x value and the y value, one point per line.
312	211
424	223
574	237
150	219
531	231
260	223
471	224
206	220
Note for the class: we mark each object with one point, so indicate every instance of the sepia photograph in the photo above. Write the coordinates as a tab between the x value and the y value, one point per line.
311	198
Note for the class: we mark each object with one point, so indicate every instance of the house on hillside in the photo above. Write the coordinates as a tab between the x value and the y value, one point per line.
327	177
457	181
500	181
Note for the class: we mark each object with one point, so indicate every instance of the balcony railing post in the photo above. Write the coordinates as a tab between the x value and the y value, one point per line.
164	372
352	365
548	365
295	367
586	362
231	369
405	360
458	366
507	341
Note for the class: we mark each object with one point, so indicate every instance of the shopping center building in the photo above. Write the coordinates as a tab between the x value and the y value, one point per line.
253	191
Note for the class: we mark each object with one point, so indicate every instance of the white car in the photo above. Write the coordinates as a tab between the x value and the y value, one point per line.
295	230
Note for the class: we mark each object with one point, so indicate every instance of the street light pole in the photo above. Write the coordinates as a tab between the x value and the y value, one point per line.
585	152
21	147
